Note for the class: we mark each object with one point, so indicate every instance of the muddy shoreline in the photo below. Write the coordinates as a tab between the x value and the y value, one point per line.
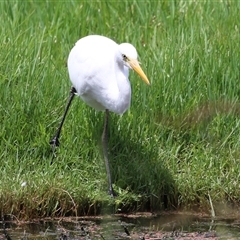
167	225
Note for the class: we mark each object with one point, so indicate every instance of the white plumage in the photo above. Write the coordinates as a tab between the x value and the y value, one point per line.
98	69
99	73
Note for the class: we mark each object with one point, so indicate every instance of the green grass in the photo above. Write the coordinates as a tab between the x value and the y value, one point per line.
177	144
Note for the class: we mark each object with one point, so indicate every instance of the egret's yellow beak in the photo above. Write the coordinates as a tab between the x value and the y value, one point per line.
136	67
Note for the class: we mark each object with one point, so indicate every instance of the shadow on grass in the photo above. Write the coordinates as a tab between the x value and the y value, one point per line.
137	169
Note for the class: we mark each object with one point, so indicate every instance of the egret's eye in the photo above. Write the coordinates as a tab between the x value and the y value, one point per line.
124	57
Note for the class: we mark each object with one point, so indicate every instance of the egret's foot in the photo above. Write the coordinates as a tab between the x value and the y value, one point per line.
112	193
54	142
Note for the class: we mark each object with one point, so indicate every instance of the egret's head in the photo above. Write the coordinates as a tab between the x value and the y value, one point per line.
129	55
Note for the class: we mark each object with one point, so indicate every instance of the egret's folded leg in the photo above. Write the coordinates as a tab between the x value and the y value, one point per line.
55	140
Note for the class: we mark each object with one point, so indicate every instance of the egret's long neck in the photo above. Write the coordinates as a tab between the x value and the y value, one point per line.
124	88
121	91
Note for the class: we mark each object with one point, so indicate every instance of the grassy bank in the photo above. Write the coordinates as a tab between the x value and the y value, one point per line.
176	146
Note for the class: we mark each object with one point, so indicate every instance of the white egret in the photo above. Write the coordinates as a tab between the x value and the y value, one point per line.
98	69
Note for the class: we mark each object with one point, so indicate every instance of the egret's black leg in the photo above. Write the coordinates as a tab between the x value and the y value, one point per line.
105	153
55	142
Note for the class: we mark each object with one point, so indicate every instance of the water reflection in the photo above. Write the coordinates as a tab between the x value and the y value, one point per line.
119	227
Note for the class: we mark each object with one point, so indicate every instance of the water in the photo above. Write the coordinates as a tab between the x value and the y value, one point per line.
165	226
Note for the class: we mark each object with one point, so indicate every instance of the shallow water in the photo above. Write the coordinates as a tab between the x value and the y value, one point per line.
164	226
